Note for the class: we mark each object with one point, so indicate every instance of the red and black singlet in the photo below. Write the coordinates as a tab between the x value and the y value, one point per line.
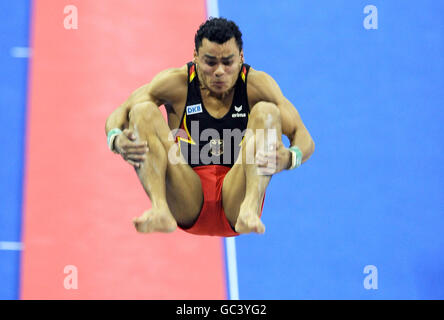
205	140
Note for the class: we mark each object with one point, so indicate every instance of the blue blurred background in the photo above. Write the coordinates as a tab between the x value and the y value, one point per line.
14	41
372	194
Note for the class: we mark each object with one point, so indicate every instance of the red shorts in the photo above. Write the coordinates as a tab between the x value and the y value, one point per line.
212	220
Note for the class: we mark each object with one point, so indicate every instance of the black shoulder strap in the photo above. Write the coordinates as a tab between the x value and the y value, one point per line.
193	96
241	89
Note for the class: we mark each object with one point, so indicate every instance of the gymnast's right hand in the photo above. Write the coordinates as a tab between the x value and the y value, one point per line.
134	152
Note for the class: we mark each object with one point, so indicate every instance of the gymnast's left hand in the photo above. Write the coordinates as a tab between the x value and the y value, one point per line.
276	159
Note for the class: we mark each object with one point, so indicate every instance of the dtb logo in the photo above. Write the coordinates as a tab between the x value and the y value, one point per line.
196	108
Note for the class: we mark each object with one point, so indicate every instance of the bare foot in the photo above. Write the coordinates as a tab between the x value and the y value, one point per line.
155	220
248	220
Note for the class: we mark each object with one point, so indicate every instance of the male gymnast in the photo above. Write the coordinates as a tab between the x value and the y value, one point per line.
197	169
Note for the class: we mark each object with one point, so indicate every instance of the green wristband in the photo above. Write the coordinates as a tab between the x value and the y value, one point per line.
296	157
112	134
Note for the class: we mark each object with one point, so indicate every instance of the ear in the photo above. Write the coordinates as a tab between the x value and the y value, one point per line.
242	55
195	56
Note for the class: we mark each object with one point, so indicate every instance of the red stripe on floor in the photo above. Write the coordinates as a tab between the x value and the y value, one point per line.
79	197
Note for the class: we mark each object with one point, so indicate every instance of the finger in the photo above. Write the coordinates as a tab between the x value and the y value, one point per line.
268	170
266	163
134	164
261	164
135	157
136	150
142	144
136	144
260	160
126	132
129	134
134	147
132	136
270	153
264	172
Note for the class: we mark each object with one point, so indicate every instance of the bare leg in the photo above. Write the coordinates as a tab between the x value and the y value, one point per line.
147	123
245	186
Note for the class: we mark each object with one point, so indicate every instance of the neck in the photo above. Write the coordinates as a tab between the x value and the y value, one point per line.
220	96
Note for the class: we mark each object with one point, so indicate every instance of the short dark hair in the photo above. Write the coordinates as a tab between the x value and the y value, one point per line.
218	30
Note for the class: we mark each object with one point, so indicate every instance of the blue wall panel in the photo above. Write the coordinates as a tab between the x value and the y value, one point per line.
372	194
14	33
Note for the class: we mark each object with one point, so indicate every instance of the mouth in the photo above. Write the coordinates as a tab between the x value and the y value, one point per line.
219	83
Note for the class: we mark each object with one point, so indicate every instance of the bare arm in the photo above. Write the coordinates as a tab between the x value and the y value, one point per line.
295	130
166	87
263	87
119	117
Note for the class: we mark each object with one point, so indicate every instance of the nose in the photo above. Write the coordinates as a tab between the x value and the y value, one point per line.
219	71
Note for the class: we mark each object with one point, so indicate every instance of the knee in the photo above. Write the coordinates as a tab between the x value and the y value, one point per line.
143	111
265	113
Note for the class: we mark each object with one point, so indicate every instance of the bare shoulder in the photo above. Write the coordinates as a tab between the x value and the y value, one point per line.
262	87
169	86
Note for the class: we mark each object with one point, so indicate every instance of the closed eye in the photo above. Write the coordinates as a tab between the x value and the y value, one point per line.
211	63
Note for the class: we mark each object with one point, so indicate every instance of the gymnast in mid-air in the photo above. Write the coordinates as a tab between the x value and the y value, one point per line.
207	168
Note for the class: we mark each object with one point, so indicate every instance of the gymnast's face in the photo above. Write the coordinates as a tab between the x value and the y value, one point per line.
218	65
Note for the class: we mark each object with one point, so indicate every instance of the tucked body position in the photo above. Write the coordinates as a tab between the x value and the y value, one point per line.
207	168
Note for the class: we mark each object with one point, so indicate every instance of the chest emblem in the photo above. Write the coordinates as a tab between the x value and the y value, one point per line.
195	108
238	114
216	147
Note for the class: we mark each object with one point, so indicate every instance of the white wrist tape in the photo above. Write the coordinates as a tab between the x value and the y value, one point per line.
112	134
296	157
